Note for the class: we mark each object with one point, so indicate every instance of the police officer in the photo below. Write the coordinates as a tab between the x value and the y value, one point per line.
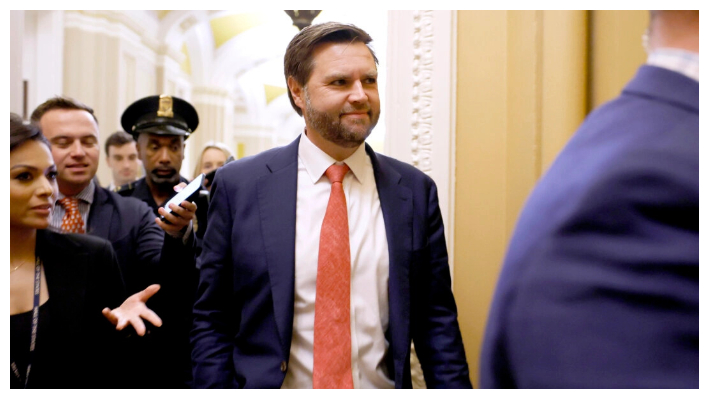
160	125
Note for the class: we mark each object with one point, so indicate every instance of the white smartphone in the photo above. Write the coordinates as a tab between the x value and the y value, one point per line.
188	194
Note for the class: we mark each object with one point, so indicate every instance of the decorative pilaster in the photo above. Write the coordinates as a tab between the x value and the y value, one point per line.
422	91
420	109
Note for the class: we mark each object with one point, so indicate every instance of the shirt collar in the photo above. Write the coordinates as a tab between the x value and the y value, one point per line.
316	161
86	195
677	60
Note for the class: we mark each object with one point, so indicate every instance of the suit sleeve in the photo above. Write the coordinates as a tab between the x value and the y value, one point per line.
435	329
215	318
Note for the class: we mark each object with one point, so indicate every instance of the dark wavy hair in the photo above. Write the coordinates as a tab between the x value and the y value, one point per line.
20	132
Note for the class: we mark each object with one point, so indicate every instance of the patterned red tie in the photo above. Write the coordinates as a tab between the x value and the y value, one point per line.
332	351
72	222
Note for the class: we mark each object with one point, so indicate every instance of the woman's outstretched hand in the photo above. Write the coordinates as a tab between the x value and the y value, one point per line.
133	310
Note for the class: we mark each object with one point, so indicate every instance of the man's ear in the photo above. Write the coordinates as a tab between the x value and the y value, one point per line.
296	90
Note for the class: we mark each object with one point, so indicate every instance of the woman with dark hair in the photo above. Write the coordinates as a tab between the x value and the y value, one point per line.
62	286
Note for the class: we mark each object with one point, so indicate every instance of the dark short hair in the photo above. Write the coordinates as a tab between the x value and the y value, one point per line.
20	132
60	102
298	61
118	139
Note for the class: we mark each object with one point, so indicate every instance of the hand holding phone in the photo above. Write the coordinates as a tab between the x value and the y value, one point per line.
188	194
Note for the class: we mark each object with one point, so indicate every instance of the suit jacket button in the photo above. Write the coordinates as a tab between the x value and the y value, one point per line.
284	366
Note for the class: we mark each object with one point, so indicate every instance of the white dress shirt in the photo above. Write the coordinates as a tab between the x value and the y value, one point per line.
369	306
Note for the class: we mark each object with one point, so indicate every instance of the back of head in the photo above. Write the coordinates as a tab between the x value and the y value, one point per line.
60	102
21	132
298	61
674	29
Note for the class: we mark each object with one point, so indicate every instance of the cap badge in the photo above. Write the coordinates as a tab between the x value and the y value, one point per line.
165	106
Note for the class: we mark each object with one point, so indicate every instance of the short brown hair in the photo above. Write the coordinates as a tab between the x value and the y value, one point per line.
118	139
298	61
60	102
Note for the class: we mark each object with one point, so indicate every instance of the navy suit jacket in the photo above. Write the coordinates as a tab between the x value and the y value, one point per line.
243	317
147	255
600	285
130	226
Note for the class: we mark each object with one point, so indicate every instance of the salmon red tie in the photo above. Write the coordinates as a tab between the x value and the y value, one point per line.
332	343
72	222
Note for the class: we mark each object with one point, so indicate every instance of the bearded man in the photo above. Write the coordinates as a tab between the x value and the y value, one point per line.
322	260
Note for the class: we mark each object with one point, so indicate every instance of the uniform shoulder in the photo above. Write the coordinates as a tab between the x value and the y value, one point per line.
125	190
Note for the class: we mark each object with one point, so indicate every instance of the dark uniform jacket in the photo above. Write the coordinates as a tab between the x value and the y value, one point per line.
169	363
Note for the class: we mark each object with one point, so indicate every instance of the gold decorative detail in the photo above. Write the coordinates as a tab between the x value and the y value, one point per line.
273	92
165	106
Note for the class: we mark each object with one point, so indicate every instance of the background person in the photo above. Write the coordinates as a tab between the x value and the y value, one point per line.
60	285
160	125
214	155
146	253
122	158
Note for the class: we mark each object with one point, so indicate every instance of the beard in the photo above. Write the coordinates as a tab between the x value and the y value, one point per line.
165	182
333	130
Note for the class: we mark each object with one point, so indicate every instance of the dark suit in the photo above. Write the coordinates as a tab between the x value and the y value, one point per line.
244	311
81	349
600	286
147	255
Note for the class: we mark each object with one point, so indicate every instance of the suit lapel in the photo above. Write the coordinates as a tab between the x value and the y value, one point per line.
100	215
397	208
277	201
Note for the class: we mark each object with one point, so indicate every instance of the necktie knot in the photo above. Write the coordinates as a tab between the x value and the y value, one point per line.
69	202
336	173
72	222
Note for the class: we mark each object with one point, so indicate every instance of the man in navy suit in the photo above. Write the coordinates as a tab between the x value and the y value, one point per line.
146	254
600	286
259	317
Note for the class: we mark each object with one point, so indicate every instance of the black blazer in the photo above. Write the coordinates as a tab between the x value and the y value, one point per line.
82	349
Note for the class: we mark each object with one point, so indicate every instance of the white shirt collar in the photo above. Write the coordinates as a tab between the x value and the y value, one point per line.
677	60
316	161
86	195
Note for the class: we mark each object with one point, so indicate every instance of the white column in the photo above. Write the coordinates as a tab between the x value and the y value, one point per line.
421	109
421	100
106	64
49	57
17	30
